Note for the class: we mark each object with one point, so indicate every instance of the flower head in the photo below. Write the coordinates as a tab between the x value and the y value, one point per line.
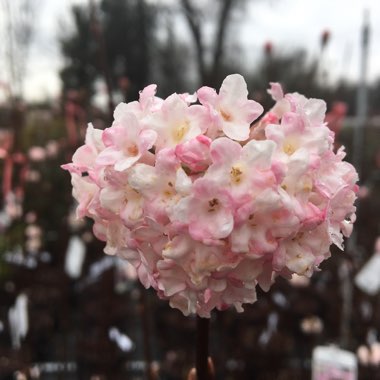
206	207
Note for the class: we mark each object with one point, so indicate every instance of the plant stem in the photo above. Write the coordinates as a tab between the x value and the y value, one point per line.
202	348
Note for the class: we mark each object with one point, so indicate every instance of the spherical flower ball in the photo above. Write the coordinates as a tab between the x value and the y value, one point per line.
206	201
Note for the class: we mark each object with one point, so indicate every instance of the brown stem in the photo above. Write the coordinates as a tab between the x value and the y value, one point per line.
202	348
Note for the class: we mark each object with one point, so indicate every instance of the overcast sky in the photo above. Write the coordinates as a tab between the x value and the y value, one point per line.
287	24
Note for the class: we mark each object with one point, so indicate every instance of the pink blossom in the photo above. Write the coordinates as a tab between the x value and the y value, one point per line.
52	148
177	122
232	112
209	211
241	170
276	91
37	153
125	143
147	104
161	186
85	156
195	153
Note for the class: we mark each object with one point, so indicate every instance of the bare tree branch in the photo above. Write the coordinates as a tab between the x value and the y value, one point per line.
192	17
209	74
225	11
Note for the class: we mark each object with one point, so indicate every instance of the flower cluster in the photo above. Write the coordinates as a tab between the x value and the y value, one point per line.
205	203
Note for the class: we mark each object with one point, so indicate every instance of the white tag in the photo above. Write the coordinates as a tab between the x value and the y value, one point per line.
75	255
368	279
332	363
18	320
123	341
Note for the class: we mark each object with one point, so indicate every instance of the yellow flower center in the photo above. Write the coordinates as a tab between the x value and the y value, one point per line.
289	149
307	185
168	193
236	175
180	131
133	150
226	115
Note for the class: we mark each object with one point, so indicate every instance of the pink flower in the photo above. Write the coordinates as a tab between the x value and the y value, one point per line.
276	91
85	192
124	202
195	153
37	153
241	169
161	186
209	212
85	156
125	143
177	122
232	112
147	104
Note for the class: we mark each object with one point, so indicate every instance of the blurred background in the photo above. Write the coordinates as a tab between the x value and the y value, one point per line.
67	311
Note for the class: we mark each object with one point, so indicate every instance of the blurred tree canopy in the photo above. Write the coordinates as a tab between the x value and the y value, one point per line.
130	43
112	44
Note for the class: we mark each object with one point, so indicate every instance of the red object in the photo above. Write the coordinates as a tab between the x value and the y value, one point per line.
124	83
325	38
7	176
268	48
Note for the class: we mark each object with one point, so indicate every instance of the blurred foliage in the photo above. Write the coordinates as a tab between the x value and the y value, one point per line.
118	40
